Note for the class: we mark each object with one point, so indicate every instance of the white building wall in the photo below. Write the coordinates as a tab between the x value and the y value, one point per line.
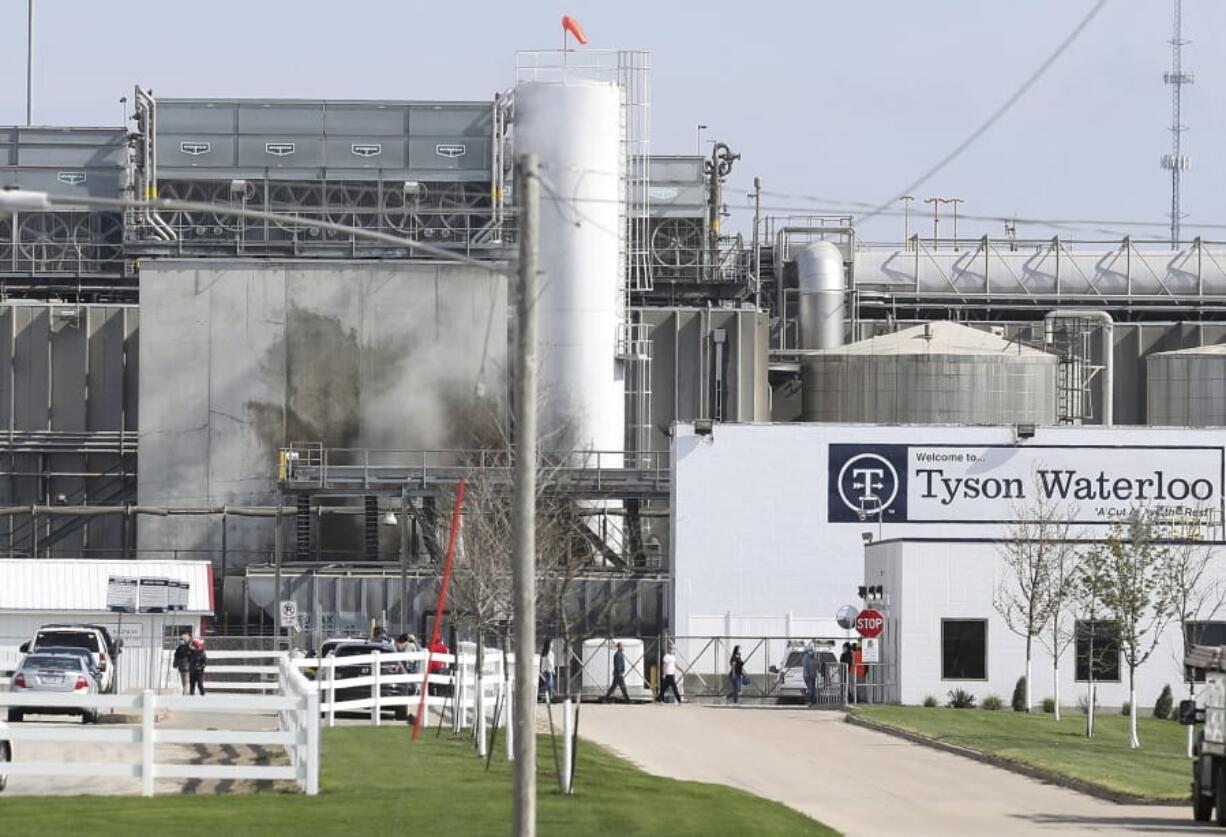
752	536
931	581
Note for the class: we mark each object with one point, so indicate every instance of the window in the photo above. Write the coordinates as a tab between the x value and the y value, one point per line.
1203	633
964	649
1106	645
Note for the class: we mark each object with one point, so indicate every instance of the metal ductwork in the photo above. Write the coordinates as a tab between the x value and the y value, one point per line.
819	270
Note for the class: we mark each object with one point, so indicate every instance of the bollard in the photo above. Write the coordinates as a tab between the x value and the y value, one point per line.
568	722
509	714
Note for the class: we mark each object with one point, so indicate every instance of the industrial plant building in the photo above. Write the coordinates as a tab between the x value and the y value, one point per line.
199	385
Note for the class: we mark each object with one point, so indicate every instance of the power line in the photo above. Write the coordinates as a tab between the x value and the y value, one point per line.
996	115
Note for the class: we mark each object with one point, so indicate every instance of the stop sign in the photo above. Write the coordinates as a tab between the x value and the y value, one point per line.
870	623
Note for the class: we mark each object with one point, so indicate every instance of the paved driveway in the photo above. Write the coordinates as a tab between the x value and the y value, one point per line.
855	780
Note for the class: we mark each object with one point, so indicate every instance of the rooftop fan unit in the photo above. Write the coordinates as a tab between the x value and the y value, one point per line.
352	204
46	242
676	245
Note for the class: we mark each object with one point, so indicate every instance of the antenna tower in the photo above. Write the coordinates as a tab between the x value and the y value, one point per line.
1176	78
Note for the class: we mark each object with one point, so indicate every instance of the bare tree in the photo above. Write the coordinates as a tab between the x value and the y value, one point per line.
1136	596
1090	582
1035	542
1061	627
1195	594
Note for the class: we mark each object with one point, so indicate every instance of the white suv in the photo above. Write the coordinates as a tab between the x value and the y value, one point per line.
94	638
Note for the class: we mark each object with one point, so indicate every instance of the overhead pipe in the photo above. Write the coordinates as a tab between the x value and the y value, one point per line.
1108	351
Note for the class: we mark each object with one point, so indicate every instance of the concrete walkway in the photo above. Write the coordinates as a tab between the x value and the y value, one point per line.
855	780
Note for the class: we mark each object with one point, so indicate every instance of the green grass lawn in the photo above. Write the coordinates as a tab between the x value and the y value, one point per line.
1158	770
375	782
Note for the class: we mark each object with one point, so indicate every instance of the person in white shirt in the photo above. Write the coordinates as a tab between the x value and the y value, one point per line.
548	671
668	674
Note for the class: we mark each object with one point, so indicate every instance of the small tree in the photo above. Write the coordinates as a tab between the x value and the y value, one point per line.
1061	594
1137	596
1035	541
1090	581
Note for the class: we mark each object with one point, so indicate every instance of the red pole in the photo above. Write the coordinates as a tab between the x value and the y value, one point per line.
436	631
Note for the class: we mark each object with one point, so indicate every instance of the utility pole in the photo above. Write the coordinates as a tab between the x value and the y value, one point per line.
757	247
1176	78
701	128
527	187
29	62
276	560
936	217
906	220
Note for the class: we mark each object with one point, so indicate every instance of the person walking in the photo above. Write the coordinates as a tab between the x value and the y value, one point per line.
180	661
619	675
549	671
736	671
197	660
808	665
668	674
849	673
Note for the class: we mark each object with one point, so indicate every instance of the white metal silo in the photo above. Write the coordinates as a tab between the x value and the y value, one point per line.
935	373
574	128
1187	387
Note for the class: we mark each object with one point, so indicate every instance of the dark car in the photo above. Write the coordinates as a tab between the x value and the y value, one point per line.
361	648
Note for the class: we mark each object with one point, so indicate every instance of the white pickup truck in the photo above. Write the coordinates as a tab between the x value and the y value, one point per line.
1209	767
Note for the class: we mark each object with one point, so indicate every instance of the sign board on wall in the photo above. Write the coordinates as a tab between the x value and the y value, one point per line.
989	483
823	490
122	594
870	650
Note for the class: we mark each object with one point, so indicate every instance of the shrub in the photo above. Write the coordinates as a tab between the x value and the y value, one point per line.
992	703
1049	705
1019	695
1126	708
961	699
930	701
1165	704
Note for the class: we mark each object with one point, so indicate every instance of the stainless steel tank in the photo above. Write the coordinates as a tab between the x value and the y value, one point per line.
1187	388
935	373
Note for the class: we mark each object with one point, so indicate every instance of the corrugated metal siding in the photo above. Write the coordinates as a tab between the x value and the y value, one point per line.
62	585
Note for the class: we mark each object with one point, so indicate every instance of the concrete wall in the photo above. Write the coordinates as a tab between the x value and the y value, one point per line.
761	529
927	582
244	357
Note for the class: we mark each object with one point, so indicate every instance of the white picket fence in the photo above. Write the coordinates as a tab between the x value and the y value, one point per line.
296	707
462	695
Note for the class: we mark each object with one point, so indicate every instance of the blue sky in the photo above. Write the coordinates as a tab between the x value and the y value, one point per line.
846	101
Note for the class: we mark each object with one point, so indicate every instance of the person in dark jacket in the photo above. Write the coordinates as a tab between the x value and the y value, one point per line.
848	660
619	675
808	666
196	662
182	652
736	671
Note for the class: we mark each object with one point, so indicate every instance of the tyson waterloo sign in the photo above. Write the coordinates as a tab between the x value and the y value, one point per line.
990	483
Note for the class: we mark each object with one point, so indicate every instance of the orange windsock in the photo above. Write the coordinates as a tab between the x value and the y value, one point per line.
572	26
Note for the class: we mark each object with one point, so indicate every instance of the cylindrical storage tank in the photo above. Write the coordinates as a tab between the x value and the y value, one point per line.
574	128
936	373
1186	388
819	275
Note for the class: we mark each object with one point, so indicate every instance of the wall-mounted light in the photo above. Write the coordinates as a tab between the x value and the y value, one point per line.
703	427
1024	431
